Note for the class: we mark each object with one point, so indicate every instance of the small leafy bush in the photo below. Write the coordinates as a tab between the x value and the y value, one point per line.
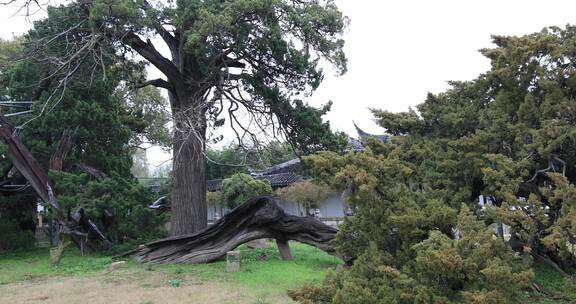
241	187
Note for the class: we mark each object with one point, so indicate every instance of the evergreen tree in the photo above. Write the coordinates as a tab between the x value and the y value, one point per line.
507	136
105	125
249	57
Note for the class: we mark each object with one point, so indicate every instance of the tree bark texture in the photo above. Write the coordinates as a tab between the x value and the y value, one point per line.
64	147
23	160
258	218
189	209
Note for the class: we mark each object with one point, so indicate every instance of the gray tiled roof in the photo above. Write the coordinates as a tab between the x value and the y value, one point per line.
355	145
214	185
281	179
287	166
276	180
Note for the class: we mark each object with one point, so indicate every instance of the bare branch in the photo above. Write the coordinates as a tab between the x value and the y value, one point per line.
549	168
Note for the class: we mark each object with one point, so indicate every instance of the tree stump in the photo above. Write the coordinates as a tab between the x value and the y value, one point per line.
258	218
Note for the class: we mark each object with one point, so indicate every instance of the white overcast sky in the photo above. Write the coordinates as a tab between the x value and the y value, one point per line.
398	51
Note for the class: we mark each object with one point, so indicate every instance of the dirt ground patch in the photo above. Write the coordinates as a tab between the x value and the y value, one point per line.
129	288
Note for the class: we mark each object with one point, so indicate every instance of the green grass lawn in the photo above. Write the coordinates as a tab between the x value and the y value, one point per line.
35	264
262	271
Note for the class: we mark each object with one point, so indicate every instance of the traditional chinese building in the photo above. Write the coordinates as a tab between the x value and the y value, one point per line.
332	210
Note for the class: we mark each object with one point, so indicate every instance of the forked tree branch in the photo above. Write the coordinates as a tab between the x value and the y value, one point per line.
147	50
160	83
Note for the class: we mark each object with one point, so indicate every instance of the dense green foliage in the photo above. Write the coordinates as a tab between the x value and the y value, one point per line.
508	136
17	221
402	237
131	224
13	237
278	44
106	118
223	163
94	102
240	187
90	103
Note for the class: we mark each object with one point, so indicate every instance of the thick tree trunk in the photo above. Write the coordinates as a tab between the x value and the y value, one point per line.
189	211
259	218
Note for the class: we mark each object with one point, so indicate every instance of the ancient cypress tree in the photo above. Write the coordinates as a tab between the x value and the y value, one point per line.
225	58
